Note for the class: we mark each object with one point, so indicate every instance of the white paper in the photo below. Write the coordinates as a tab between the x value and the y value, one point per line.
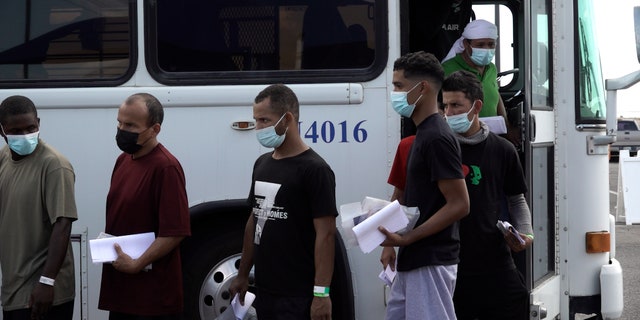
391	217
239	310
496	124
506	227
387	275
133	245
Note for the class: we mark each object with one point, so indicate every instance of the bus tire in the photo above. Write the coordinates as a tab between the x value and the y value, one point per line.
208	272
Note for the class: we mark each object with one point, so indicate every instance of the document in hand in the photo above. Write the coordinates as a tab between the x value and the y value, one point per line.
506	227
391	217
496	124
237	311
133	245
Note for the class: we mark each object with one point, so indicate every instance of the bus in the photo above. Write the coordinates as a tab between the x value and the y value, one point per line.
207	60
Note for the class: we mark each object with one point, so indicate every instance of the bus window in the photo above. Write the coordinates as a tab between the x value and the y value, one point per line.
64	41
591	105
278	37
540	64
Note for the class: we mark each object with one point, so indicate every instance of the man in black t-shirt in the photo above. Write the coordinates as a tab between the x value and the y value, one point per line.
428	254
290	236
488	286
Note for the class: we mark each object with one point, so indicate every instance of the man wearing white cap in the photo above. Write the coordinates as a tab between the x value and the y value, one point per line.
474	52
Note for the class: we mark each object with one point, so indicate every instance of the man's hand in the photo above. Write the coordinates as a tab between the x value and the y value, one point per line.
321	308
124	263
514	244
393	239
388	258
41	300
239	285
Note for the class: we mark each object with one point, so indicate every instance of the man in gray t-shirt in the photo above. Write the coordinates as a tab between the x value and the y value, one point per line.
37	208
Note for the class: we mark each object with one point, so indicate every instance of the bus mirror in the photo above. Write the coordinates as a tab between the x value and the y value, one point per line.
636	24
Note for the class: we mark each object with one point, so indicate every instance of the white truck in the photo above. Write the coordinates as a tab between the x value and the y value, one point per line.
628	137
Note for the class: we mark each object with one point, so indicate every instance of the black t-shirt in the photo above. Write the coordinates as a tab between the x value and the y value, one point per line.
286	195
434	155
492	173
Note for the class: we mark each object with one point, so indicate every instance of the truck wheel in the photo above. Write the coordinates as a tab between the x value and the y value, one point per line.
207	275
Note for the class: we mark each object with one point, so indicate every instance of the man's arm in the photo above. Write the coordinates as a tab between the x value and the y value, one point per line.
42	294
324	259
159	248
521	220
455	208
240	284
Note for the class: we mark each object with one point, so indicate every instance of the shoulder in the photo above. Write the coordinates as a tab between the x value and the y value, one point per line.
502	146
168	157
53	158
315	159
406	142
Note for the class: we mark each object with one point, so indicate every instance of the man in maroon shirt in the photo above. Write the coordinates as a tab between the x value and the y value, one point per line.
147	194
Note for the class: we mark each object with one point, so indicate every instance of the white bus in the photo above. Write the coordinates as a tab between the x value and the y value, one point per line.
207	59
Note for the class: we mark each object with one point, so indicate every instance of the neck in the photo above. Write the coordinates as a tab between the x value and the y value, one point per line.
467	59
292	146
146	149
427	107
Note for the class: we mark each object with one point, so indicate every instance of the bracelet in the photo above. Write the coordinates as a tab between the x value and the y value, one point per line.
530	236
321	292
47	281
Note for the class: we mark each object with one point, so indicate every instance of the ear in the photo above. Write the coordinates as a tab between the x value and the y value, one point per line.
478	106
467	46
156	128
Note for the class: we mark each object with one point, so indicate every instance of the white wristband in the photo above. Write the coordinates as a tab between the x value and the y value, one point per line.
321	292
47	281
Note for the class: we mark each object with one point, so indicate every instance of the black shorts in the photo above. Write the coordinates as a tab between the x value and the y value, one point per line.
275	307
498	296
60	312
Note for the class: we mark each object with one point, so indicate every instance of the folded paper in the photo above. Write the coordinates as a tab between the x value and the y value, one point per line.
133	245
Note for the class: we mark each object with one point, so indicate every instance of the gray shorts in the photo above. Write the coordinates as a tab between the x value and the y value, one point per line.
423	294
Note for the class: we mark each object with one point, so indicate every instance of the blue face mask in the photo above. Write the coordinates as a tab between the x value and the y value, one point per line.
482	57
460	123
399	102
269	138
23	144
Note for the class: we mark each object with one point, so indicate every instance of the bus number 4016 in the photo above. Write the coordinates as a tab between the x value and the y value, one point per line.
326	131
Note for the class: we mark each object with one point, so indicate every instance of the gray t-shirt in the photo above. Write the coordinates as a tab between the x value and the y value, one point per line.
34	192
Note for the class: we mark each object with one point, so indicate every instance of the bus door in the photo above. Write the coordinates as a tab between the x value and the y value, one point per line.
538	137
523	62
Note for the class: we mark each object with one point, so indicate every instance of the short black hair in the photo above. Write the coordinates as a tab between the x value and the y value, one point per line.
420	65
16	105
282	99
154	107
465	82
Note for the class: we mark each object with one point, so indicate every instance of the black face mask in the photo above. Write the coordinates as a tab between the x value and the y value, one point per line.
128	141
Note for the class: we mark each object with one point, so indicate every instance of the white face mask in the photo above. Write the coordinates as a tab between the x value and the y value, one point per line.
269	138
23	144
482	57
460	123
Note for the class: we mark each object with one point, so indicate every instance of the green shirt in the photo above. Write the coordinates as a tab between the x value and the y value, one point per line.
34	192
488	79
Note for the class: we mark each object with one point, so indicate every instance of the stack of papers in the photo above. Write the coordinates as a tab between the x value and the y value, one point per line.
496	124
133	245
391	217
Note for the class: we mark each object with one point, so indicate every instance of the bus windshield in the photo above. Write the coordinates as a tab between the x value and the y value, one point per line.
591	107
